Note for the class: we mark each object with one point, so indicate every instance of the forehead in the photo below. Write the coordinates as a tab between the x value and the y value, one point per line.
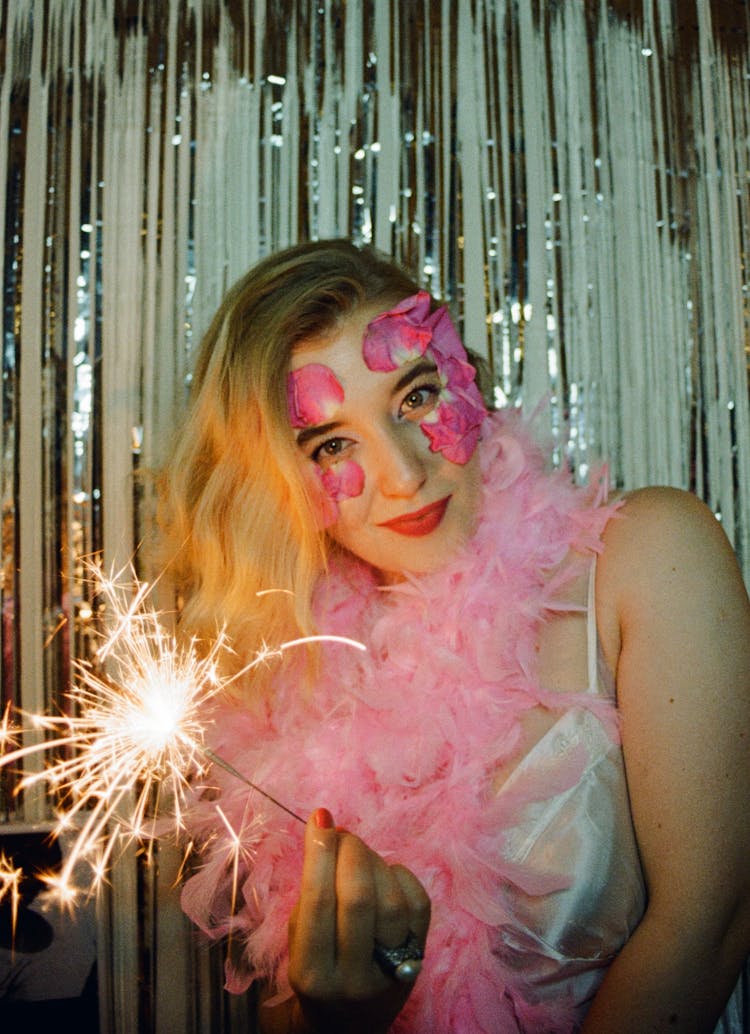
341	348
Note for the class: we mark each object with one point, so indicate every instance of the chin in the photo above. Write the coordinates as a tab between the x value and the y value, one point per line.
433	558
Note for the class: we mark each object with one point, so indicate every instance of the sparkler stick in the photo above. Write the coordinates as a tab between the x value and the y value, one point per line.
139	733
253	786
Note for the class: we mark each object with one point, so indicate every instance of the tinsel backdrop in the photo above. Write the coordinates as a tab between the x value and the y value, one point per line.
571	176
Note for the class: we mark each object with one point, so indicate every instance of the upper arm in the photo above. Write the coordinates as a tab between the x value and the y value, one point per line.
675	608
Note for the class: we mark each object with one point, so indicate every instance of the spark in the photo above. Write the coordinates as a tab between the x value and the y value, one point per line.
60	624
8	731
237	848
10	887
122	761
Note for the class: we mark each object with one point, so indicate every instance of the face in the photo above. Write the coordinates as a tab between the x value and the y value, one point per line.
386	425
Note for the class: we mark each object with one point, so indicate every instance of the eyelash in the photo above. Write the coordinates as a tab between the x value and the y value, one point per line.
431	390
317	453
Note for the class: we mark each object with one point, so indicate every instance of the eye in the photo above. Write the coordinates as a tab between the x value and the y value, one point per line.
420	398
329	450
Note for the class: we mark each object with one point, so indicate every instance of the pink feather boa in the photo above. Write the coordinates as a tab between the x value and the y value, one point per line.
401	743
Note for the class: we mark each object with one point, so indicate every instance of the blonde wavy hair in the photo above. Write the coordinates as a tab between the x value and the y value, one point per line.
238	528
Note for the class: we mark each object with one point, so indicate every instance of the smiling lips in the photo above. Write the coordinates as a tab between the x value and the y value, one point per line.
420	522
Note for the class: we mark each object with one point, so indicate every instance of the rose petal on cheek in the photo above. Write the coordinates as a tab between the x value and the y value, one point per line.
345	480
325	510
328	511
313	392
454	426
456	448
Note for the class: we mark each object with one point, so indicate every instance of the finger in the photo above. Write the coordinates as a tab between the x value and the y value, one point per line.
418	899
393	919
356	895
312	948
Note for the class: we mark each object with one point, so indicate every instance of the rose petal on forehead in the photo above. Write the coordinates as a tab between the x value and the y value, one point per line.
446	342
393	344
416	305
396	337
313	392
451	358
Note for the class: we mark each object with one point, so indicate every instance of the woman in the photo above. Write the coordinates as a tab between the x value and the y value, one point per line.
544	746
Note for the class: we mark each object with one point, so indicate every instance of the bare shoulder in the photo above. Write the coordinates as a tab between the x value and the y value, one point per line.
664	552
659	517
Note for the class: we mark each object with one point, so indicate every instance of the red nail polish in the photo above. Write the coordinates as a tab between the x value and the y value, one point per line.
323	819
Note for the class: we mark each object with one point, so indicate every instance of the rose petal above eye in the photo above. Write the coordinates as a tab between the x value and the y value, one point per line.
396	337
448	350
313	393
393	344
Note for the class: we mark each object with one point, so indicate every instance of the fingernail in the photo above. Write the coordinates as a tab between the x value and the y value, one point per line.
323	819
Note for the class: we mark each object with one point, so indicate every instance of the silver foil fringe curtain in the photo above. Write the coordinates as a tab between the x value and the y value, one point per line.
572	177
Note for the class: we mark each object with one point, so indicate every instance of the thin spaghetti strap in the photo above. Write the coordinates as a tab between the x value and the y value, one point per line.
592	638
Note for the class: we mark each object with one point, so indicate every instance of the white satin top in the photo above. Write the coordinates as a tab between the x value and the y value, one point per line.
562	943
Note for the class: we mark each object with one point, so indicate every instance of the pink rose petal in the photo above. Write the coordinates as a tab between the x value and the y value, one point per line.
313	394
396	337
327	488
324	507
344	480
455	428
449	352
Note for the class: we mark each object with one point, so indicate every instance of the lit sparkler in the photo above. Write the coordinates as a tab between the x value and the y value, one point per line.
136	735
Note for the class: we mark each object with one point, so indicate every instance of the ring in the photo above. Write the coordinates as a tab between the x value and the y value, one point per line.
403	963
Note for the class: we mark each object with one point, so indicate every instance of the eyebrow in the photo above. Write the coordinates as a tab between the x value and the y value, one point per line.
317	429
422	367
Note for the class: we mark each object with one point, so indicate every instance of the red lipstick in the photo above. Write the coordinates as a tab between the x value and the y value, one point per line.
420	522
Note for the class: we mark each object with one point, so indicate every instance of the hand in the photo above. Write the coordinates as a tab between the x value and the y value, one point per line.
349	899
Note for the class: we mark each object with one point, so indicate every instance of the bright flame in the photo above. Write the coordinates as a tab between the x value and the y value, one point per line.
136	733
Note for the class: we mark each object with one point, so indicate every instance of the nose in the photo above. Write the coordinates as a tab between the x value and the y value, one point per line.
401	466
